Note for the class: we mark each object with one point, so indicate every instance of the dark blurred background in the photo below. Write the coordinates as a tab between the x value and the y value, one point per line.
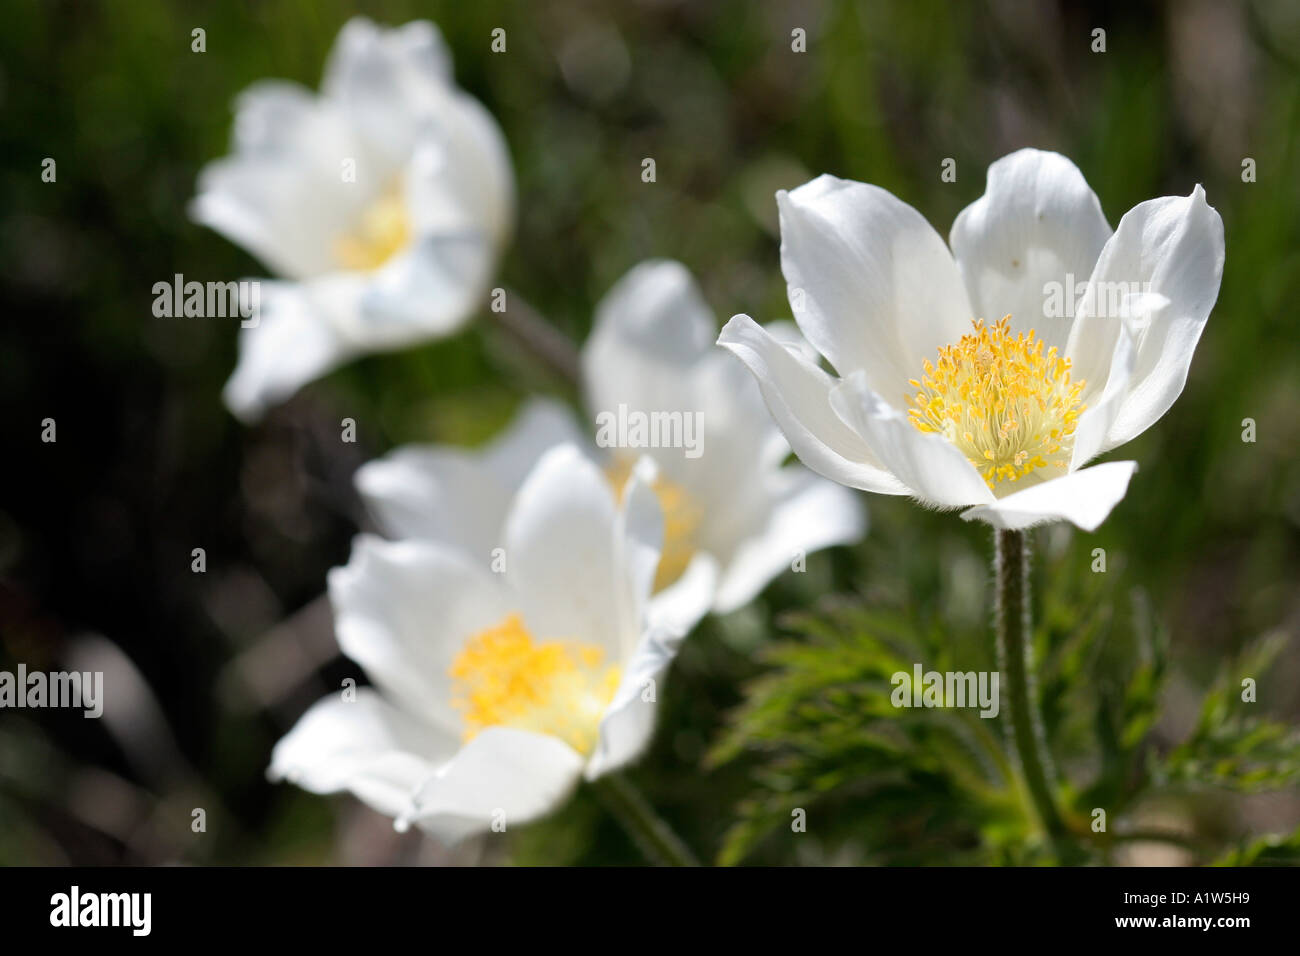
97	529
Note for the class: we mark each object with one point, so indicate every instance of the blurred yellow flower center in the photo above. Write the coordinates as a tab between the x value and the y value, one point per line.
503	678
1009	407
682	518
382	231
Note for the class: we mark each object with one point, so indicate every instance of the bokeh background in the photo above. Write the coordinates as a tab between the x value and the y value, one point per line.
96	530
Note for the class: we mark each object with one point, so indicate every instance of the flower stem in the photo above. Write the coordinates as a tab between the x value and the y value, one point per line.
539	338
652	835
1015	659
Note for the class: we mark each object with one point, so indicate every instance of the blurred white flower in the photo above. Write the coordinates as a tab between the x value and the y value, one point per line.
999	416
382	203
650	351
495	693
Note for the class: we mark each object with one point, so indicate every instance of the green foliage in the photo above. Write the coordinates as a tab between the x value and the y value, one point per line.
1231	746
1265	851
894	785
1102	689
898	785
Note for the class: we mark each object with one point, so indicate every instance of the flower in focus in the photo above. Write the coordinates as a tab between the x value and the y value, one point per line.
726	500
497	692
988	376
381	203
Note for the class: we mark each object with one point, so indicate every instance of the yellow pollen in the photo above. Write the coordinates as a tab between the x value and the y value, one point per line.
382	231
682	517
503	678
1008	405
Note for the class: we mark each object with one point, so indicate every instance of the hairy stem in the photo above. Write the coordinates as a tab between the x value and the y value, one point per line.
653	837
1015	659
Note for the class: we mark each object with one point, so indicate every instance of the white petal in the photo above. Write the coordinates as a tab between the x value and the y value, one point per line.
403	611
367	59
1103	406
880	289
629	721
737	433
280	194
268	115
797	394
295	340
460	497
395	86
1084	498
561	555
429	291
1171	248
638	542
677	608
739	523
503	773
381	77
364	746
805	514
788	334
650	330
460	176
936	471
1037	222
436	493
542	424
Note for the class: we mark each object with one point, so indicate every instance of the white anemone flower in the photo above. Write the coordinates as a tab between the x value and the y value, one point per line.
381	204
729	499
986	377
495	693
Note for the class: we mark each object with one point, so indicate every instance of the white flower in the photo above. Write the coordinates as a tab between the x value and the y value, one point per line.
494	694
999	416
382	203
650	351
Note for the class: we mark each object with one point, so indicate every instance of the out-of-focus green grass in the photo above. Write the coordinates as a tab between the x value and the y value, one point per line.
97	530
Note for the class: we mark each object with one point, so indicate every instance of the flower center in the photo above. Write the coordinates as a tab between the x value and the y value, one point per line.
382	230
1009	407
503	678
682	518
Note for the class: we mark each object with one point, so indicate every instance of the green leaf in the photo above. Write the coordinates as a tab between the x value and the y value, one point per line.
1274	850
1231	747
875	782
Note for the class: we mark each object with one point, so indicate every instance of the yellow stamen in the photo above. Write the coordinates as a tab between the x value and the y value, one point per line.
502	678
382	231
682	517
1009	407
